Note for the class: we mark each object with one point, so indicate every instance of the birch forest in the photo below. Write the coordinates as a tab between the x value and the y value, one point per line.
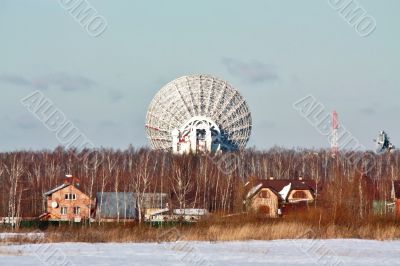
214	182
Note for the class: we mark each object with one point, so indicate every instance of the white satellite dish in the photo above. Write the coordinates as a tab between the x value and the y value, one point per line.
198	113
54	204
382	143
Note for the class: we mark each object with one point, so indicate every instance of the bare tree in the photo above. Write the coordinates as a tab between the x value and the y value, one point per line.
140	178
14	169
181	181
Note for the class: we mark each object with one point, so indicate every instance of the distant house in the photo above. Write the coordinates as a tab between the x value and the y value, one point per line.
153	203
190	215
116	206
187	215
67	202
396	195
268	196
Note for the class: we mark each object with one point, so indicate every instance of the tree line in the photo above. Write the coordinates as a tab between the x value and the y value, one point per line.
214	182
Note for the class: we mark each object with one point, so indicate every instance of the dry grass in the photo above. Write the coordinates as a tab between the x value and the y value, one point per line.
218	228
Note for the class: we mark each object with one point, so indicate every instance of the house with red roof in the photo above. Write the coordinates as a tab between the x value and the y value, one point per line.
269	197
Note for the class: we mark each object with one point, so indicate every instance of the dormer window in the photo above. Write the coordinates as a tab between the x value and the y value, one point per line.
299	195
264	194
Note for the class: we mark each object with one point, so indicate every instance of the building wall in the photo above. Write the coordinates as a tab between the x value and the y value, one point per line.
307	195
265	202
116	206
398	208
82	201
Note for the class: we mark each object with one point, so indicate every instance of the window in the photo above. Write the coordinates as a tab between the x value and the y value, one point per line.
264	194
299	195
77	210
70	196
64	210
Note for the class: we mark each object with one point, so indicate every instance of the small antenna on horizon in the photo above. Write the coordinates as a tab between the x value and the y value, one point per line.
382	143
334	140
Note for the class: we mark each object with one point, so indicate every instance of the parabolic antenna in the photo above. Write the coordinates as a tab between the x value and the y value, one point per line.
198	113
382	143
54	204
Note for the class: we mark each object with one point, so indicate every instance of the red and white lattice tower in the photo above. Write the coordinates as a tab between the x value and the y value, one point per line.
334	137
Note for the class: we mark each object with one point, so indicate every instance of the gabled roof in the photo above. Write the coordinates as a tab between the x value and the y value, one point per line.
69	180
253	190
396	188
257	188
48	193
281	187
279	184
159	212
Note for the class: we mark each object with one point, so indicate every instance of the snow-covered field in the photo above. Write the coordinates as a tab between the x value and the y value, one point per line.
4	236
280	252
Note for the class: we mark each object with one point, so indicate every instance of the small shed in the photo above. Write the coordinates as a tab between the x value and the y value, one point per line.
151	203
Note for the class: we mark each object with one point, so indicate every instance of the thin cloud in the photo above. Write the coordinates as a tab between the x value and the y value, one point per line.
15	80
107	123
22	122
368	111
252	72
115	95
267	124
61	81
64	81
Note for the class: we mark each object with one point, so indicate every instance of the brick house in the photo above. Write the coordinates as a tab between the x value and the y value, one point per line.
269	197
67	203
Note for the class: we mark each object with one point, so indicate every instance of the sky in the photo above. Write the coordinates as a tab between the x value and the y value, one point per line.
273	52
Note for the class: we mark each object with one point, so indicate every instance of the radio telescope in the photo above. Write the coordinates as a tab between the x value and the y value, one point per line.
198	113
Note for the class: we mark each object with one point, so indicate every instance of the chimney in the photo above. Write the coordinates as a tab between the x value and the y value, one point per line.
69	179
